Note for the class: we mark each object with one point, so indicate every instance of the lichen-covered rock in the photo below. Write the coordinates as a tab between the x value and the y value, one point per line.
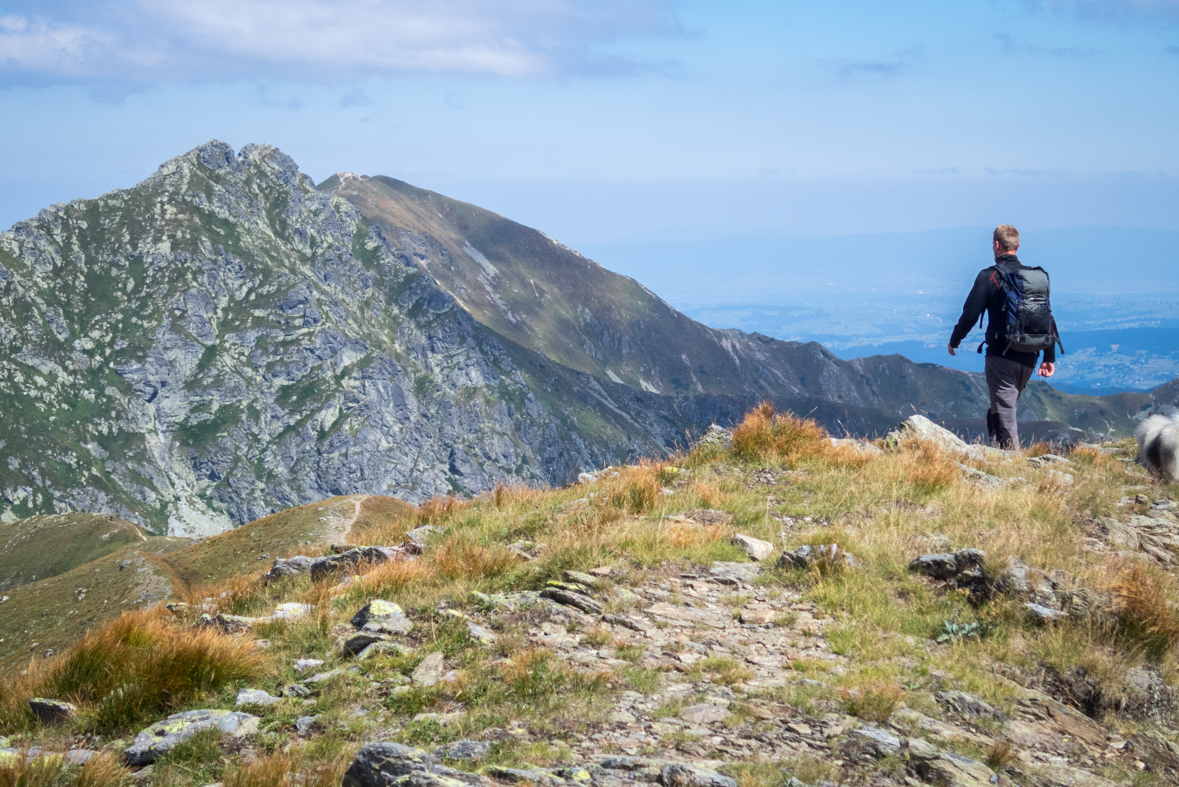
677	775
50	711
161	737
386	764
382	617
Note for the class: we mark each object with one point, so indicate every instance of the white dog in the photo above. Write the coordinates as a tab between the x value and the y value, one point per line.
1158	445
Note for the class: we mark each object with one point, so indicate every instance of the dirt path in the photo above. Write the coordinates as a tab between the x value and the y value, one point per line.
346	525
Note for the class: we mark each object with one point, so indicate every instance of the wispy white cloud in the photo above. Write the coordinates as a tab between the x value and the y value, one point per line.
147	41
1012	46
884	67
1114	10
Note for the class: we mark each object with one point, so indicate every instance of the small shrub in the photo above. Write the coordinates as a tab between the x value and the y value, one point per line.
1145	617
635	491
598	637
766	434
133	669
725	670
1000	755
874	702
392	577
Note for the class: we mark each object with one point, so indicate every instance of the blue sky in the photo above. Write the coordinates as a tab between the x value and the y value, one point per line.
601	121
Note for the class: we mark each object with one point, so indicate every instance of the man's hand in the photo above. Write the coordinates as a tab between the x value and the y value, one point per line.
950	347
1046	369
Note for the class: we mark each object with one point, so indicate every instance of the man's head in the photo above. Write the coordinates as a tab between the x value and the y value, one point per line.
1006	240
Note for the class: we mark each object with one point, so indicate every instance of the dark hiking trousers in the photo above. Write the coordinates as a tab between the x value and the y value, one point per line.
1005	380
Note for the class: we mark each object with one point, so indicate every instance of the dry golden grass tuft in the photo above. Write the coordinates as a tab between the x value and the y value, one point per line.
132	669
635	490
393	577
709	494
875	701
1143	601
438	509
102	770
767	434
464	557
927	466
287	769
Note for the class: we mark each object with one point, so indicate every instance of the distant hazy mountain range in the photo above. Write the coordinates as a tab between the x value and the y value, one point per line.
226	339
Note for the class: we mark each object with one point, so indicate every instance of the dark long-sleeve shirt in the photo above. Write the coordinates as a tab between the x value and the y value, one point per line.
988	294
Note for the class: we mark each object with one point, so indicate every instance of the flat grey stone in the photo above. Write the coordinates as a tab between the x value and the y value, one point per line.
704	713
302	665
676	775
875	741
305	724
429	670
757	549
161	737
255	697
734	573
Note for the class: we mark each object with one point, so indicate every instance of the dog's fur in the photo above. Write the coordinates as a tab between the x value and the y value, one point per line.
1158	445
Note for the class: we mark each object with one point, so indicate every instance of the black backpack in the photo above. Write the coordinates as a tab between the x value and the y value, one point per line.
1027	311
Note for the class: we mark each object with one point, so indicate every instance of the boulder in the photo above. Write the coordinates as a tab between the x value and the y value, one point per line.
326	566
357	643
382	617
429	670
872	741
824	557
573	599
50	711
918	427
715	437
303	665
677	775
953	770
948	565
1044	614
288	567
757	549
161	737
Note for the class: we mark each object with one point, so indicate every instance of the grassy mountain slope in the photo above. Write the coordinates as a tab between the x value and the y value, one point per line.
549	299
46	546
48	613
862	672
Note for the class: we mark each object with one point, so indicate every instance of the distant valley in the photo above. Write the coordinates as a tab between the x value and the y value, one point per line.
1114	292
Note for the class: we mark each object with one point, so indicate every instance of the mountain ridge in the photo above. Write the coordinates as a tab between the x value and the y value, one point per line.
225	340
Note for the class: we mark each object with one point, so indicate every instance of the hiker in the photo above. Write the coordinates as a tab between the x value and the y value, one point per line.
1020	325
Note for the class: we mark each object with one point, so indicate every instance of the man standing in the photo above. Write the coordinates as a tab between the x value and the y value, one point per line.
1020	324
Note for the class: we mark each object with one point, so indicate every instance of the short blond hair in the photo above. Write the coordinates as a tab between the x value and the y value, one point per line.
1007	237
